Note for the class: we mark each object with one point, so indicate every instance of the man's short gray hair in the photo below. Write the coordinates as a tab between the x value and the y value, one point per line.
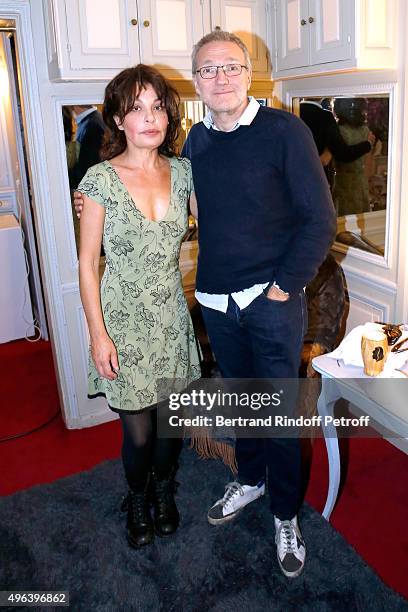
220	36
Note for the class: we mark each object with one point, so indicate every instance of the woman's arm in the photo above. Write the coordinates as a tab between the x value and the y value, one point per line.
103	350
193	205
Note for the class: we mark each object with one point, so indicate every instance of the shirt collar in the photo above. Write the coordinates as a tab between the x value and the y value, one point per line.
85	113
312	102
246	118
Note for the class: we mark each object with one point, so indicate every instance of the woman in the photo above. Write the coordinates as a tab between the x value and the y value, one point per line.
350	192
136	201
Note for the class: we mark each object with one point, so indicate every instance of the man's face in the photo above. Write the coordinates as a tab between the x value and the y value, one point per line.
222	94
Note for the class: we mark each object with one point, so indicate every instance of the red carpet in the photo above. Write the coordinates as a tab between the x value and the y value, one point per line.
371	514
29	398
28	379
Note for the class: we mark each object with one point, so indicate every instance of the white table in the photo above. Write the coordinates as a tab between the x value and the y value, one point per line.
384	400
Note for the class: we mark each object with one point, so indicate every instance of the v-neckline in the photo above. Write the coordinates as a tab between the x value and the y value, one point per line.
133	201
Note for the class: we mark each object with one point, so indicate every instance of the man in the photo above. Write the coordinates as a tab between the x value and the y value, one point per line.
266	221
89	135
89	138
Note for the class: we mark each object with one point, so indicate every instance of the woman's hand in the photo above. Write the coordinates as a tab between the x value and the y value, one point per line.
105	357
372	139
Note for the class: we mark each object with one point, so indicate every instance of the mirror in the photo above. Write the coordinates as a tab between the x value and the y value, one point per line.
351	134
83	133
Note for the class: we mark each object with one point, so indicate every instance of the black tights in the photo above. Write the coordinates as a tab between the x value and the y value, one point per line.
142	449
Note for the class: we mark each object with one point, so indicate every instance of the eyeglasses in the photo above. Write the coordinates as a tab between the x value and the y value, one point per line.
230	70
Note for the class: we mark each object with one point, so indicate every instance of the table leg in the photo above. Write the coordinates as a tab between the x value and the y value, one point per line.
325	406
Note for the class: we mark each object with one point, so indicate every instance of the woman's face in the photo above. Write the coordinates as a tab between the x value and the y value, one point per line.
145	126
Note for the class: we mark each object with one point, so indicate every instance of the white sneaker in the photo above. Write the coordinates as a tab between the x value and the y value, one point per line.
236	497
290	547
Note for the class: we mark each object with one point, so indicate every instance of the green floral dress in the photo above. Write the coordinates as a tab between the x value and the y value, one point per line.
143	303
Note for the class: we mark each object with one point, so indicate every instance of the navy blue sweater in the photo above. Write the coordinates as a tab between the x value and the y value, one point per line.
264	208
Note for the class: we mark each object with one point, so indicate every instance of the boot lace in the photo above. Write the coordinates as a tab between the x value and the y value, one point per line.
137	503
165	490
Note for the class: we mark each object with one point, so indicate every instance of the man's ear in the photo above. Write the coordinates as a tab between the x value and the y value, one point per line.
196	87
249	79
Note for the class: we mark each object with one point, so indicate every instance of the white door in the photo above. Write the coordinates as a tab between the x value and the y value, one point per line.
330	27
168	31
247	19
14	189
102	33
291	34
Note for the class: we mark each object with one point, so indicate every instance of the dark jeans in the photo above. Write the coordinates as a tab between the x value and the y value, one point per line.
264	340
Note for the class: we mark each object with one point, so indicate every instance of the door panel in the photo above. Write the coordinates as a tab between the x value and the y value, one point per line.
247	19
330	30
292	34
101	34
168	30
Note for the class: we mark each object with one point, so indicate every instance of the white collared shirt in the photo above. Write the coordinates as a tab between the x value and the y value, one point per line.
81	126
246	118
219	301
81	116
312	102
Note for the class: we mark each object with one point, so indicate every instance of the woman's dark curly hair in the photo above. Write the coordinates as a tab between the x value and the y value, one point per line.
352	111
120	96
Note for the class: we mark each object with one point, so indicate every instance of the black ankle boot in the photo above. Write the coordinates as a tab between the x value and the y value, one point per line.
166	515
140	528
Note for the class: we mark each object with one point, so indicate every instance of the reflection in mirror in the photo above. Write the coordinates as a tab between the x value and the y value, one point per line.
351	135
84	131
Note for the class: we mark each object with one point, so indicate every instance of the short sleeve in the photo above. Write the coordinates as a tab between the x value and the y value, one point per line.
189	173
94	184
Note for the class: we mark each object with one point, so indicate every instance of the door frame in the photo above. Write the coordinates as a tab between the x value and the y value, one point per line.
20	12
23	200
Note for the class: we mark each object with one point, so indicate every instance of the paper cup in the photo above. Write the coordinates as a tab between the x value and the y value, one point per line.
374	350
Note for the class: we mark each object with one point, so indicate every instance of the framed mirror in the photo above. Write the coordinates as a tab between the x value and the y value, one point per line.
352	131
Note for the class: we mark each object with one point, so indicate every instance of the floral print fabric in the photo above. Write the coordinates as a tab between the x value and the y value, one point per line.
143	303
